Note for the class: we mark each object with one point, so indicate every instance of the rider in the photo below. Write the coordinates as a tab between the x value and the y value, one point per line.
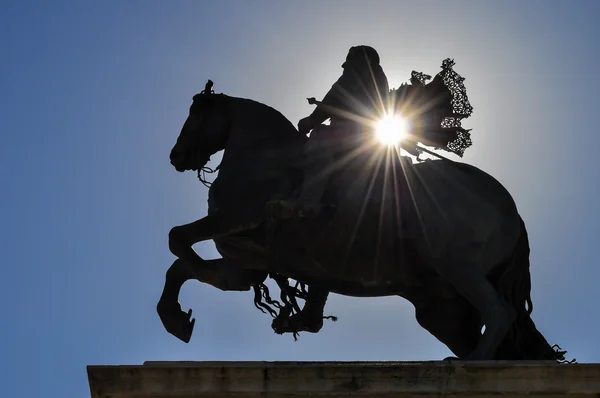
353	103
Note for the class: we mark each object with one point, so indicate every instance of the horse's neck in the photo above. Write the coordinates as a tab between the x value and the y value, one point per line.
258	134
253	121
261	148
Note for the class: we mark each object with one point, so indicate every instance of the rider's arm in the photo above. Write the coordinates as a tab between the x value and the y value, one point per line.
331	102
346	94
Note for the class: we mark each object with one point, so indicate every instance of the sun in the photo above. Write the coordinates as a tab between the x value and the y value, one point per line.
391	130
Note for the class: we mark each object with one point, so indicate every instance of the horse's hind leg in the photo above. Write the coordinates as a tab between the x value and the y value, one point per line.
497	315
453	321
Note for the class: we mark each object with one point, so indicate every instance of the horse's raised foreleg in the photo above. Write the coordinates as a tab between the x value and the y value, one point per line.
180	324
183	237
218	273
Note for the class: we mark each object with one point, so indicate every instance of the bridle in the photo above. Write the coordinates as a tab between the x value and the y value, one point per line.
204	170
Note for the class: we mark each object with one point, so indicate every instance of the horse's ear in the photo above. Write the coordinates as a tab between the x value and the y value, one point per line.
205	98
208	87
206	93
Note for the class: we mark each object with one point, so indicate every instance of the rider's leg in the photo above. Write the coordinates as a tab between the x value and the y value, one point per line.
318	167
317	171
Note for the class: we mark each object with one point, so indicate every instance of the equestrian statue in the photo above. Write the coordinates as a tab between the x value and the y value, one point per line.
335	209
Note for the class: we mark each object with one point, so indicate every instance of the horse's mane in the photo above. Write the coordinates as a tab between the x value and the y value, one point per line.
263	115
260	141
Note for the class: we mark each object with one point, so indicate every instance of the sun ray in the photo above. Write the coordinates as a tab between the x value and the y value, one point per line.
373	159
429	196
388	123
415	204
382	203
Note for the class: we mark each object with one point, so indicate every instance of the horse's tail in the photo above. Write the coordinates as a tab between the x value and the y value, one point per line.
523	341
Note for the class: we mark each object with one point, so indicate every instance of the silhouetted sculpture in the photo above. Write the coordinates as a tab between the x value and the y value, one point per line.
444	235
357	97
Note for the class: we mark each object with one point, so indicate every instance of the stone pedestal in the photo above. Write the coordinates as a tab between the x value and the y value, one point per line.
343	379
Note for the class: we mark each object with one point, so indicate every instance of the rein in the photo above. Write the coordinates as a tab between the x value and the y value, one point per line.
203	171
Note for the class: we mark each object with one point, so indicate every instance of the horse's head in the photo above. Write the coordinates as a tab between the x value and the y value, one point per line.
204	132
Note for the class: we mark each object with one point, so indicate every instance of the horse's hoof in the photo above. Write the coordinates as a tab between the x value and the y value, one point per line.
477	356
449	359
177	322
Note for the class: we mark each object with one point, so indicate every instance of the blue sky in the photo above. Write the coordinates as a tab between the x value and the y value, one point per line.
93	96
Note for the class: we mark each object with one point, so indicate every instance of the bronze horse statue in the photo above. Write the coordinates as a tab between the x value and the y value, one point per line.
444	235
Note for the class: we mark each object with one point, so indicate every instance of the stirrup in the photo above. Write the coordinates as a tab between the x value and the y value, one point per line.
309	211
285	209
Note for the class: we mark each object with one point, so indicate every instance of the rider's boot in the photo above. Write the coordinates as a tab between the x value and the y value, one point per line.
311	316
309	319
308	205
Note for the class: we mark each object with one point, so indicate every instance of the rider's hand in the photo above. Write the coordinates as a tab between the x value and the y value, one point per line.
305	125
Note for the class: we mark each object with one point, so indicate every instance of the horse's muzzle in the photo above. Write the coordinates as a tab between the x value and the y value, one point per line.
177	160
